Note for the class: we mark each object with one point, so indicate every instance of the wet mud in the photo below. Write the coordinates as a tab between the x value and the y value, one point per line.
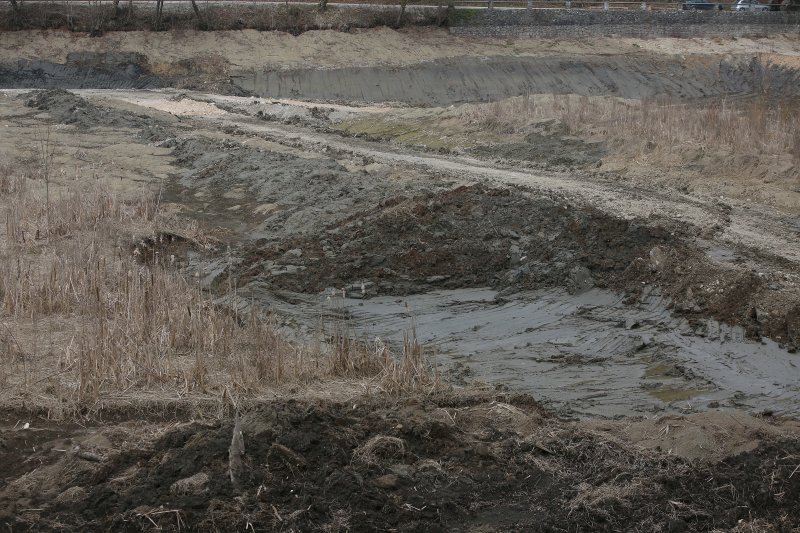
590	354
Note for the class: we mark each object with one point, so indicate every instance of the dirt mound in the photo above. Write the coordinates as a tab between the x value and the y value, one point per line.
511	240
65	107
467	237
439	464
37	74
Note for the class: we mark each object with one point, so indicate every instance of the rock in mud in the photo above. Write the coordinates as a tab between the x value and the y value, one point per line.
658	258
579	280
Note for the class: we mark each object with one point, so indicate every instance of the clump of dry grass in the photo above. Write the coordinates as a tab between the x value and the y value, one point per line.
412	371
379	447
81	318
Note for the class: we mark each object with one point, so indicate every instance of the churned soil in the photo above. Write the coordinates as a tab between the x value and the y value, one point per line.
450	462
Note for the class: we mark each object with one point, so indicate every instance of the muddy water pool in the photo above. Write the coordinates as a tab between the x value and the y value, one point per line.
587	354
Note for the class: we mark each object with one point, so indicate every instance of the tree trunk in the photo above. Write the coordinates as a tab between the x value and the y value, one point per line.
197	14
15	5
159	10
116	8
403	4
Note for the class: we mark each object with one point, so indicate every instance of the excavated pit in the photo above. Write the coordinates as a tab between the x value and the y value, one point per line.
559	297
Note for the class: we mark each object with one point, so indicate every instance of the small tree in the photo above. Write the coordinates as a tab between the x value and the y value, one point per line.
159	12
323	5
403	4
15	6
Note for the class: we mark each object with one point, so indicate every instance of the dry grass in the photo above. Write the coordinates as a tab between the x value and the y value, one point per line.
411	371
379	448
760	125
83	317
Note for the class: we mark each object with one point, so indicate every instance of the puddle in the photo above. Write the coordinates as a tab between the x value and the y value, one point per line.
588	354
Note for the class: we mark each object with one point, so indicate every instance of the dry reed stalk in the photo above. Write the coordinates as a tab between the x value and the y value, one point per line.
134	326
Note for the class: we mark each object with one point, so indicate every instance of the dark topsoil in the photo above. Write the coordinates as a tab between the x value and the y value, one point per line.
444	463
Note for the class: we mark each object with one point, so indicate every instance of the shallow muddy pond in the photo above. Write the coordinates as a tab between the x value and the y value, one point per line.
586	354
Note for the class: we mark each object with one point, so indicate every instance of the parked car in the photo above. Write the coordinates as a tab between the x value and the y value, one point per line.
701	4
749	5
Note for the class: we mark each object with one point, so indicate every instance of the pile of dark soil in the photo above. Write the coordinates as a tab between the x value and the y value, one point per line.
436	464
512	240
35	74
469	236
66	107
